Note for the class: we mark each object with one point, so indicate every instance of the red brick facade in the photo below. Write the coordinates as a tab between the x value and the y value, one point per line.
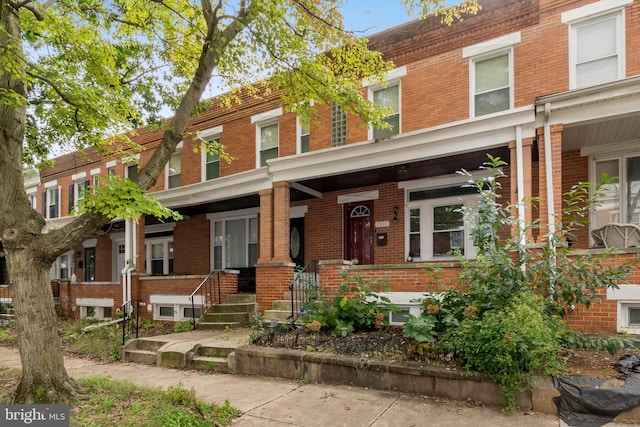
438	136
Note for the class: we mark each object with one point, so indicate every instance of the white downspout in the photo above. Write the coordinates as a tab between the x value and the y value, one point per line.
129	233
549	179
521	194
551	213
520	186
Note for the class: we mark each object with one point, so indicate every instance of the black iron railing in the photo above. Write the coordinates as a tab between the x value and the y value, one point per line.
304	289
129	313
205	296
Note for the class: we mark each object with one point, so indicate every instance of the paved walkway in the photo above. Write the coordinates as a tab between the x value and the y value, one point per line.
272	402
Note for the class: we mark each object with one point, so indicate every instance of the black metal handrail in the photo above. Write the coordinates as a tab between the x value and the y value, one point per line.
206	293
304	289
129	312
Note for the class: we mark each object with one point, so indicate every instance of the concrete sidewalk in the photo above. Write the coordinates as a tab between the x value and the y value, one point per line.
272	402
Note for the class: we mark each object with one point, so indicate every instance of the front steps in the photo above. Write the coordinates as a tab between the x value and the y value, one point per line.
207	348
281	309
237	311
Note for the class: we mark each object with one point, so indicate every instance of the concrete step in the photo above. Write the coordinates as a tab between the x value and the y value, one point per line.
220	352
148	344
208	364
282	304
239	317
219	326
234	308
240	298
280	315
140	356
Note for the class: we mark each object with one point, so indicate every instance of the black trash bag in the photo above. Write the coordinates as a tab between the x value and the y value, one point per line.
628	364
584	403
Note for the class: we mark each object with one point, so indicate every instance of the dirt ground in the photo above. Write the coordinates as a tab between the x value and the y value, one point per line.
389	344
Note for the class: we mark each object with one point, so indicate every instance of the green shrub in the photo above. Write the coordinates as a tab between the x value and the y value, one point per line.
511	345
185	325
356	306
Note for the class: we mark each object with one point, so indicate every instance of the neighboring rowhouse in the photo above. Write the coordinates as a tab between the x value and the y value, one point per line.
552	87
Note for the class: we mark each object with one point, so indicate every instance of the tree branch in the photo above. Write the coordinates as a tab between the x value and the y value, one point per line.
59	91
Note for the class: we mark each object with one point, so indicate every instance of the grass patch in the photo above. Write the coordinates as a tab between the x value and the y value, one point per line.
103	343
107	402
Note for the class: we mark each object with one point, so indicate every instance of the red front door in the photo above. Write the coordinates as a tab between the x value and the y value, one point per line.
358	232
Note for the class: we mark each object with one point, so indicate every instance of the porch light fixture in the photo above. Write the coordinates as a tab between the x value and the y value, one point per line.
395	214
402	169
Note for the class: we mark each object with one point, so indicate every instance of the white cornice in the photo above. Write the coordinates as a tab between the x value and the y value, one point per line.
228	187
456	138
611	99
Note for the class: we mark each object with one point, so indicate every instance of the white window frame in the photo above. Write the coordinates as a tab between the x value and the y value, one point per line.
472	82
49	187
56	273
32	195
261	120
211	134
300	133
131	160
426	225
111	167
165	242
167	175
590	14
487	50
177	302
79	180
623	175
98	304
246	214
391	78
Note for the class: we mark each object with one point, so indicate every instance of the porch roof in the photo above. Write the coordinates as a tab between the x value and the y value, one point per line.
600	115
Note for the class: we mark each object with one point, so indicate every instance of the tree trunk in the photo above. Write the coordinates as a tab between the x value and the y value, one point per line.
44	377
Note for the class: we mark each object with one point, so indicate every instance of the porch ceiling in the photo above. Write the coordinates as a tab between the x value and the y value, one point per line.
602	132
396	173
244	202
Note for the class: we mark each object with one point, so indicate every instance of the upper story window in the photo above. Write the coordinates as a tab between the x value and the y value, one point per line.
77	190
32	196
492	88
338	126
51	200
111	167
389	97
267	135
212	164
304	131
620	202
210	149
131	167
173	170
491	84
596	43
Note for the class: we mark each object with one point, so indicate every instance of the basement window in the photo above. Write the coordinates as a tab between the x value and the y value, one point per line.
176	312
95	312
